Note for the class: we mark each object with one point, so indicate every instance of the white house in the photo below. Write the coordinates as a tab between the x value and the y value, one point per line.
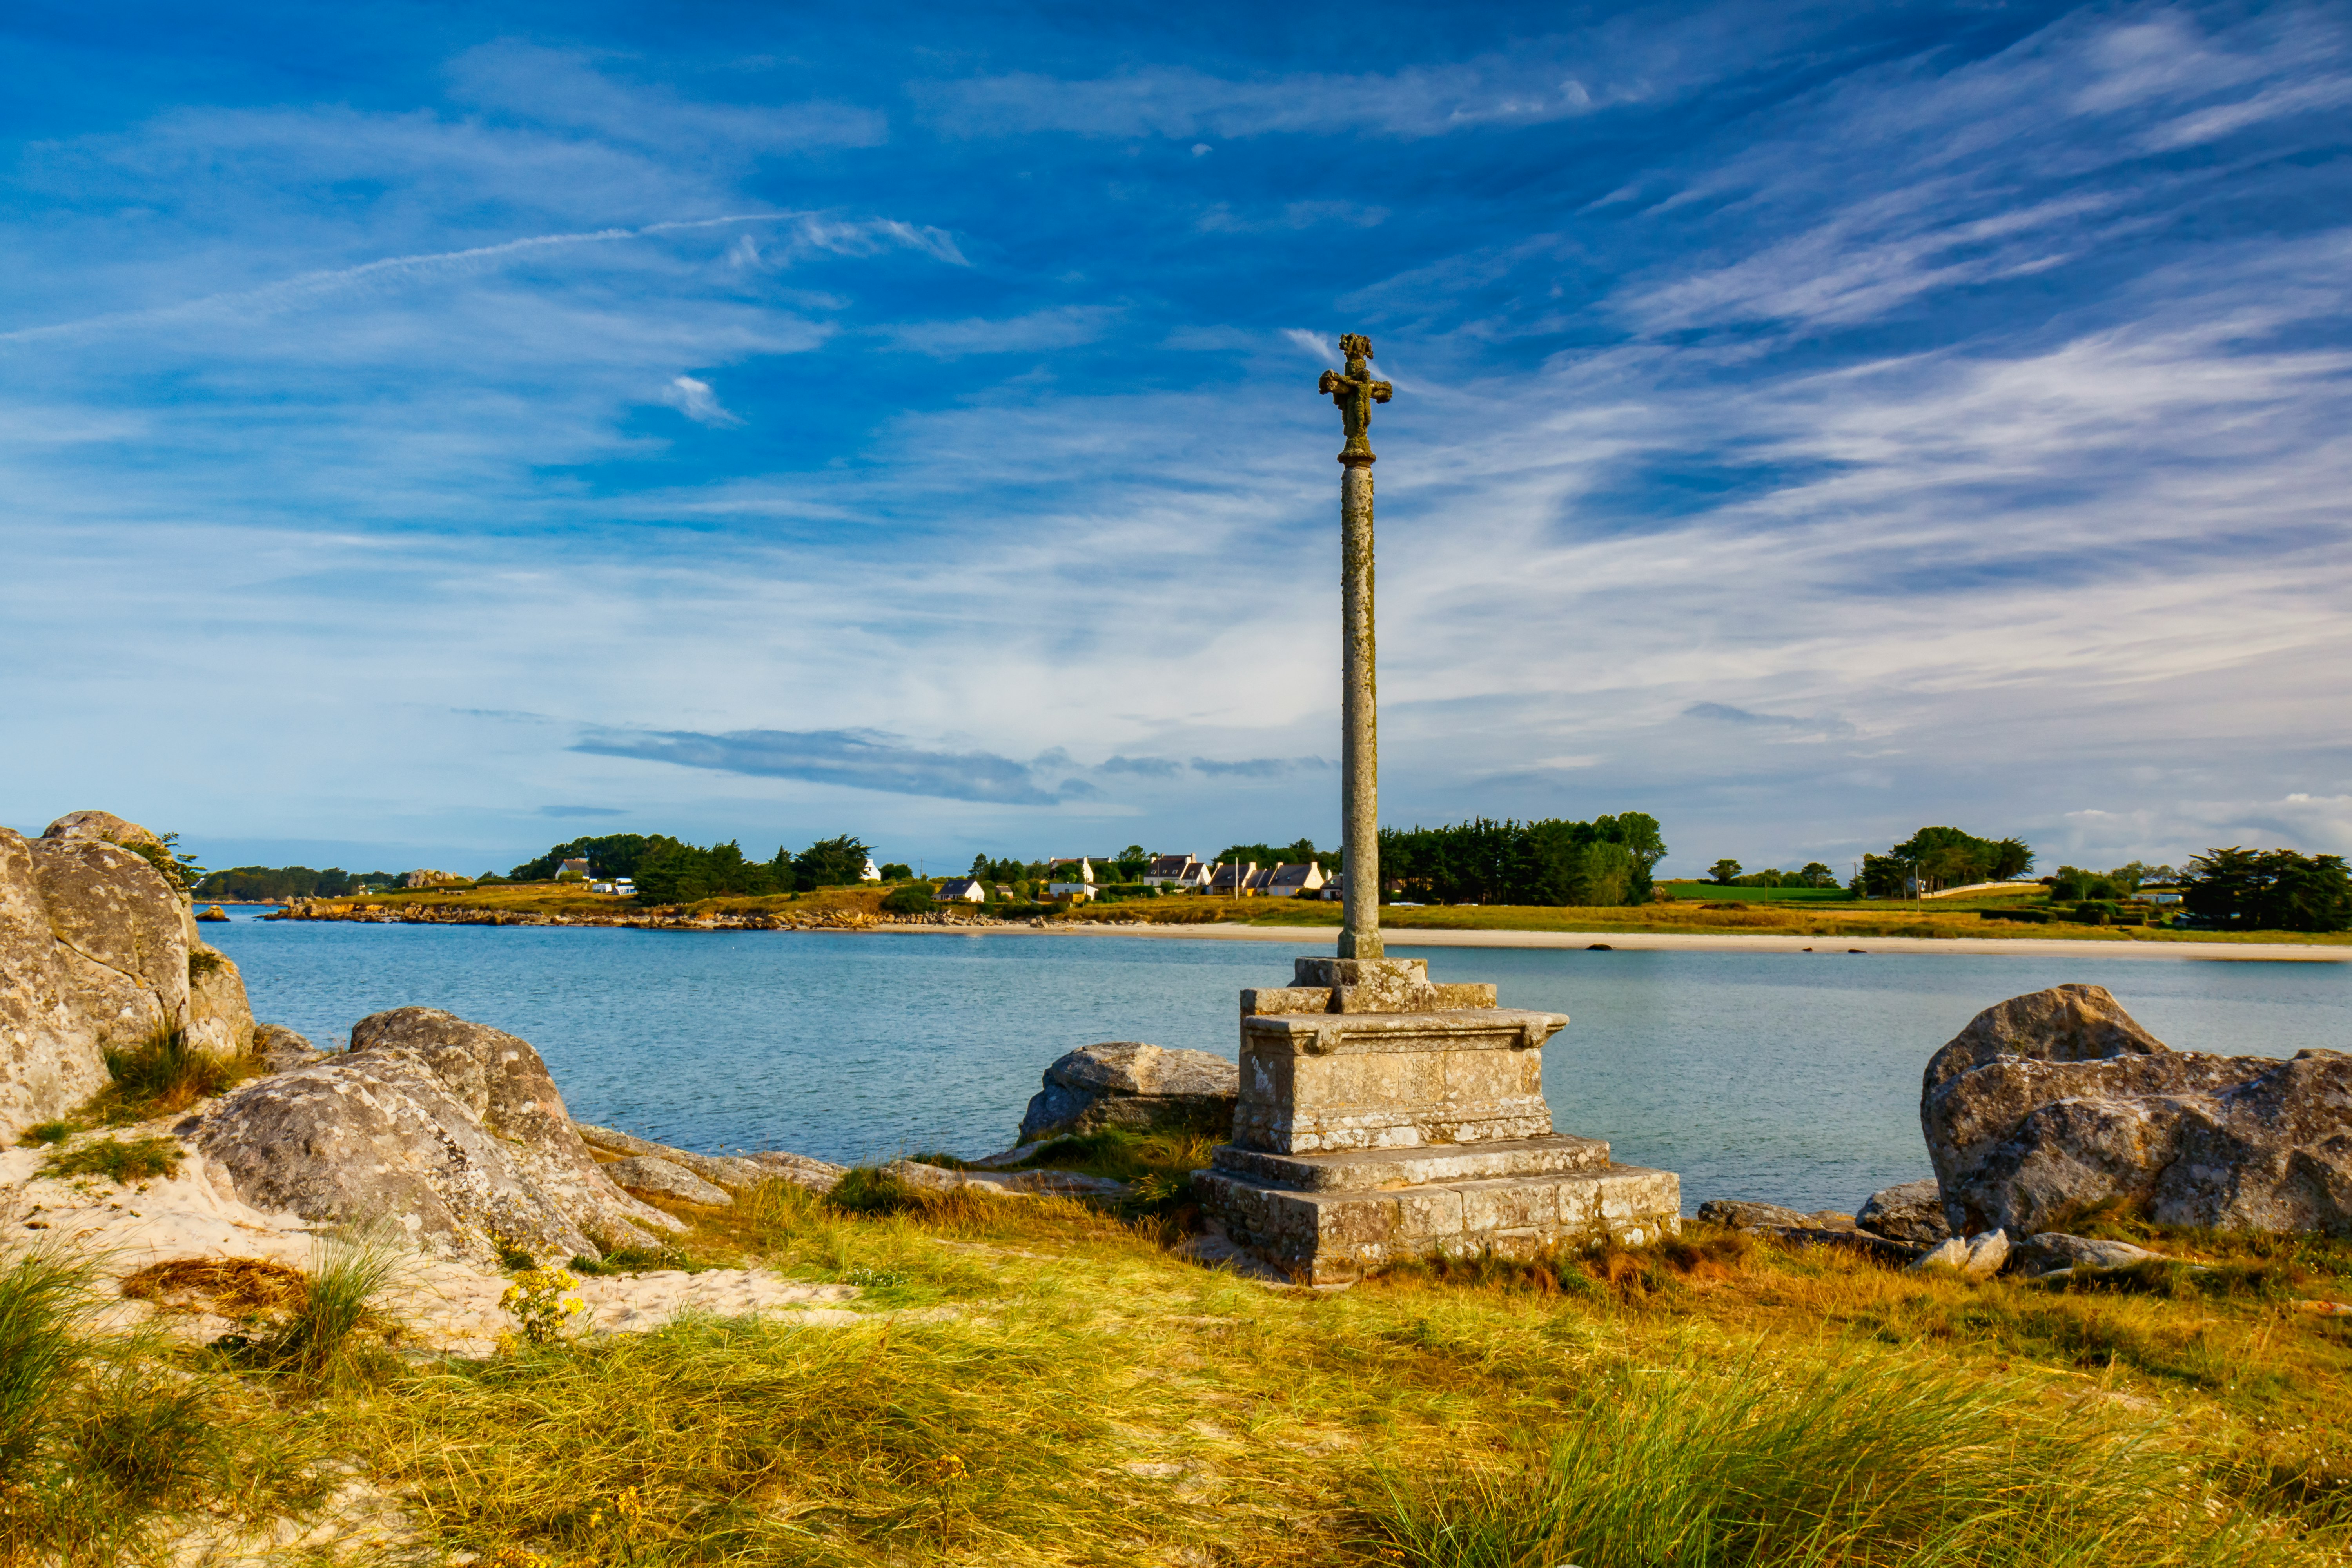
1235	878
1085	867
1196	879
1079	891
872	873
963	891
1170	870
1335	888
1289	879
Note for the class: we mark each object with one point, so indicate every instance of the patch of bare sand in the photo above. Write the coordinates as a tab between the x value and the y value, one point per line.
194	1215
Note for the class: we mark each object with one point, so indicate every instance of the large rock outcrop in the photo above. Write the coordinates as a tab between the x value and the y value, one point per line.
2051	1104
1126	1083
451	1131
96	948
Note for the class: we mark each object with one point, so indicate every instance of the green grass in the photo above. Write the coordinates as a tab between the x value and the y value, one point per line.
319	1343
104	1439
1715	893
52	1132
1855	1463
125	1160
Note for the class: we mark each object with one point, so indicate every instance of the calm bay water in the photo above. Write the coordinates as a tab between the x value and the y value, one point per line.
1792	1078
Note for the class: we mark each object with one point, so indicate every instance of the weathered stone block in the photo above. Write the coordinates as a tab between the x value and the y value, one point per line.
1280	1001
1368	1170
1328	1081
1331	1237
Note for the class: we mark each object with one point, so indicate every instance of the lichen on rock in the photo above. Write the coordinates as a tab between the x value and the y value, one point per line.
2055	1103
448	1130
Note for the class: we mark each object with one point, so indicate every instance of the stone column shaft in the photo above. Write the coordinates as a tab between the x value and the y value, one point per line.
1360	814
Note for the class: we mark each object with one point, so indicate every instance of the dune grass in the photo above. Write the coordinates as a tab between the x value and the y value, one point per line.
105	1437
162	1072
1857	1462
1040	1382
1036	1383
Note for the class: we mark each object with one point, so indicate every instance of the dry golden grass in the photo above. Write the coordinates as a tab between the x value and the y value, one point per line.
226	1287
1039	1383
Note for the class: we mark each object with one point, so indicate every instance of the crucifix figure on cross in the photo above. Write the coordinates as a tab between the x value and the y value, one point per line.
1355	391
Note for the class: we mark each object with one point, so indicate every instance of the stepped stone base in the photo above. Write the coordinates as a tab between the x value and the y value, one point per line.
1382	1116
1561	1192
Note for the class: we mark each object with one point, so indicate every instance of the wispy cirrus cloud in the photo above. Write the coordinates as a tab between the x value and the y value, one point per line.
1063	327
854	759
562	86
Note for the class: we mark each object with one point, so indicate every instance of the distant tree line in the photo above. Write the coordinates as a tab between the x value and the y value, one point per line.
1607	860
1942	858
1814	874
254	884
612	855
2073	884
2268	889
669	870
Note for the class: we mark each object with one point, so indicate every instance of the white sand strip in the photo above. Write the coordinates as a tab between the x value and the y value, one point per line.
1323	937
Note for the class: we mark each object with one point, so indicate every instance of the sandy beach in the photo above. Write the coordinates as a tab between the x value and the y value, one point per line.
1321	937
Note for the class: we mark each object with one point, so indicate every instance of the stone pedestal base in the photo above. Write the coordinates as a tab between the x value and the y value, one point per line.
1326	1219
1382	1116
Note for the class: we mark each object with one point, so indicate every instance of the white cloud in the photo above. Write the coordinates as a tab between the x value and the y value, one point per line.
696	400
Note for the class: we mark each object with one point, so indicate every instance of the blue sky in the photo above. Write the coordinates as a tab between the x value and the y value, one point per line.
430	432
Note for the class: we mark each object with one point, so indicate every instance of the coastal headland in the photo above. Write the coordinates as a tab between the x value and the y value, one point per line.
1938	927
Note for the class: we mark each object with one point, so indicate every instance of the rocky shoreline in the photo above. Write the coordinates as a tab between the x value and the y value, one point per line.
659	918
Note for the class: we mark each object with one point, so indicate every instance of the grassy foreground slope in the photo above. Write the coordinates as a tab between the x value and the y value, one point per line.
1762	916
1035	1383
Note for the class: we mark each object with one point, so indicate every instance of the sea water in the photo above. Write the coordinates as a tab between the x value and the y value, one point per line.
1788	1078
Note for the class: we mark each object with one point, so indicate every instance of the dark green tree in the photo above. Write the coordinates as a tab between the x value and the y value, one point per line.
829	863
670	872
612	855
1606	861
1724	872
2269	889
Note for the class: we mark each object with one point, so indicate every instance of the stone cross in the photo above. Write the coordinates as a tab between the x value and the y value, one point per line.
1355	391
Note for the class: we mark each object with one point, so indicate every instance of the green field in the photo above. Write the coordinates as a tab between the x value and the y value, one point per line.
1712	892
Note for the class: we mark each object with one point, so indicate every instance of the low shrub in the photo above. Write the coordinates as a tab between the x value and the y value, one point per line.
914	899
868	1190
41	1133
